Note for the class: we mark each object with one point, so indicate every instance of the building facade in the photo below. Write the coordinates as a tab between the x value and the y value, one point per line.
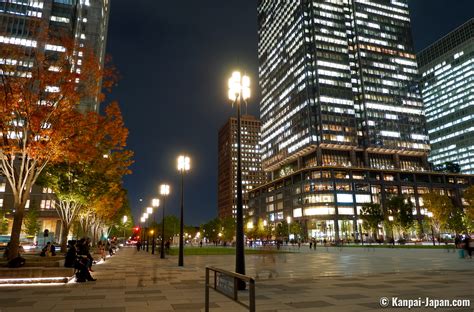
447	84
342	115
252	173
22	23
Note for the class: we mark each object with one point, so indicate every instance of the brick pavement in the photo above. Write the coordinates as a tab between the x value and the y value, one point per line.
352	279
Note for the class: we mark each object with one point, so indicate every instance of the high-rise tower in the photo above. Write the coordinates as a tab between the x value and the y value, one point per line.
22	23
447	83
338	79
342	116
252	173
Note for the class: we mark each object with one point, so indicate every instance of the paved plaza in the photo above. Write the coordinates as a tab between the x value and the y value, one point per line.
351	279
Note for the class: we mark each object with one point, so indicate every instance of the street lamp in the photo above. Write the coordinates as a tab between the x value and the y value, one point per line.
390	218
155	202
164	191
239	89
184	164
359	226
149	211
125	218
430	215
142	220
145	215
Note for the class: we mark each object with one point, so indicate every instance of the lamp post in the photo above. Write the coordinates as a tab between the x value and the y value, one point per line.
145	216
125	218
164	191
155	203
184	164
239	89
390	218
142	220
430	215
149	211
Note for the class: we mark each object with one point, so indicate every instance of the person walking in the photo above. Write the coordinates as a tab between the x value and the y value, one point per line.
139	245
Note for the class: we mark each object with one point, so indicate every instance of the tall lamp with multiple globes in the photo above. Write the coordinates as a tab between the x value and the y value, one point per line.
155	203
145	216
142	220
184	164
239	89
164	191
149	211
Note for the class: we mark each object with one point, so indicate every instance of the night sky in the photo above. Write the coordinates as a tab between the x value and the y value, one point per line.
175	58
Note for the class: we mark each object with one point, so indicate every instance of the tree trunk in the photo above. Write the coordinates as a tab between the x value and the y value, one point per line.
16	230
64	235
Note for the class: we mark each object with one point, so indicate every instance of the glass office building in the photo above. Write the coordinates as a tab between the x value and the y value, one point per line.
342	115
447	83
22	22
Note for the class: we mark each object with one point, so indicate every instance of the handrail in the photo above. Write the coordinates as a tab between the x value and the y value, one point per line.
229	289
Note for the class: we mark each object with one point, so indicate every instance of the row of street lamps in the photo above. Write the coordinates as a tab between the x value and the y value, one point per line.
239	90
184	165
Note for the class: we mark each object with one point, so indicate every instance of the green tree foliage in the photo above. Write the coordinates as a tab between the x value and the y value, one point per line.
3	223
281	230
402	211
297	229
441	207
469	208
227	229
171	227
210	230
372	215
31	222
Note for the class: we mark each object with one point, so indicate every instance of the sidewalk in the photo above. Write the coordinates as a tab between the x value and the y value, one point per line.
333	280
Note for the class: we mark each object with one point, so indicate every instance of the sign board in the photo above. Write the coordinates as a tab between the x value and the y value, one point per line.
225	284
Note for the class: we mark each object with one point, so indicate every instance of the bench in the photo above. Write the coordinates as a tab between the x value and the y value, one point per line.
35	275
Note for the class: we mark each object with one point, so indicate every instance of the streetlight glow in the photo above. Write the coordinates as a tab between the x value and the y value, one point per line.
250	225
155	202
239	86
125	218
149	210
164	189
145	215
288	219
264	222
184	163
142	219
390	218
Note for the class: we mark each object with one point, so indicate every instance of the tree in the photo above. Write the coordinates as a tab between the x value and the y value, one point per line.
402	211
441	206
372	215
32	225
211	229
3	223
228	229
469	208
95	180
39	123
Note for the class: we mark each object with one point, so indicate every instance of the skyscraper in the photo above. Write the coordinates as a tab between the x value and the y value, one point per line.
341	112
447	83
338	79
22	23
252	173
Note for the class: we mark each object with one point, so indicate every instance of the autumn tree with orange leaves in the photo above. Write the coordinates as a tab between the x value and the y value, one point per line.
40	91
92	185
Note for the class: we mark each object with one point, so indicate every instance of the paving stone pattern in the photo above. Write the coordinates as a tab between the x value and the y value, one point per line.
351	279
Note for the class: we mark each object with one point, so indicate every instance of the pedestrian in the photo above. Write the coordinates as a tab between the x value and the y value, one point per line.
200	243
139	245
101	246
310	245
167	246
468	245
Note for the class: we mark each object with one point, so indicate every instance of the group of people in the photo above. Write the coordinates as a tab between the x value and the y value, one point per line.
78	256
49	250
